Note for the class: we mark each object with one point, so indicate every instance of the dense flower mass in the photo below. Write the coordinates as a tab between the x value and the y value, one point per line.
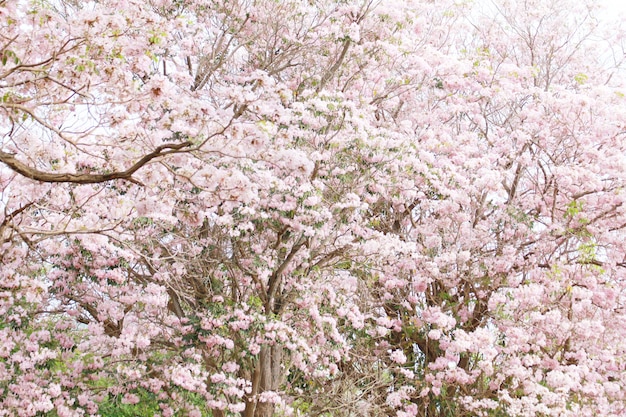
326	208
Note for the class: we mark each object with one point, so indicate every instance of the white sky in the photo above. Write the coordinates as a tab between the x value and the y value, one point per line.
618	6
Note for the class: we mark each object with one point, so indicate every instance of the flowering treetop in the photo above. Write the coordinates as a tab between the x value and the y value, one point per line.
262	208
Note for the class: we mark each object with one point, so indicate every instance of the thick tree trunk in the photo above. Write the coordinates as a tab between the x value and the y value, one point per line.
268	376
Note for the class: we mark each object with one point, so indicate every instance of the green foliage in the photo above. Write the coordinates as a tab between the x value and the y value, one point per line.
581	78
573	208
521	216
112	406
587	251
8	56
147	406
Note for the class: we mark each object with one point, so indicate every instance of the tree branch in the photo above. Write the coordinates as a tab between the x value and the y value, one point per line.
332	70
274	280
34	174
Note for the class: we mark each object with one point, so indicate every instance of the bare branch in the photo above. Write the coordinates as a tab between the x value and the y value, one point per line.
37	175
332	70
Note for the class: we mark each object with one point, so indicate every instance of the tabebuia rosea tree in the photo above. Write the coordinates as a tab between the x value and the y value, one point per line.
312	208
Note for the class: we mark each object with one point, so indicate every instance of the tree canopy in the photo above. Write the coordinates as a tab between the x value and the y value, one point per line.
265	208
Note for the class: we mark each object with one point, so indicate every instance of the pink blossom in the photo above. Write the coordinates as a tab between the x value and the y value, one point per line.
398	356
434	334
130	399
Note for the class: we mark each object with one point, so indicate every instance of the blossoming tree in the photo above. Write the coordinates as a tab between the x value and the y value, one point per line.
262	208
